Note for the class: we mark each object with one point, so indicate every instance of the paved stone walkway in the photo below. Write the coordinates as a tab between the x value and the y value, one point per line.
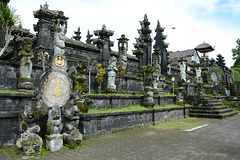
220	140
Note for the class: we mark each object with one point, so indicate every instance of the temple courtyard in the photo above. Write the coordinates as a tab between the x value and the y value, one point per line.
217	139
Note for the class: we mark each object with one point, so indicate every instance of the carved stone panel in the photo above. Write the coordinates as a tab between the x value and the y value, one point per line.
56	89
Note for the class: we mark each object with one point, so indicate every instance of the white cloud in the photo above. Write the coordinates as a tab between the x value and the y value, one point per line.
123	17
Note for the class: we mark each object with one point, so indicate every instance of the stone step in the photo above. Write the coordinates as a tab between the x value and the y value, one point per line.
212	101
213	104
220	116
209	108
211	111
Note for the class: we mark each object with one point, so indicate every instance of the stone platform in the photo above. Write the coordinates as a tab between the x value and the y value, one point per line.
218	140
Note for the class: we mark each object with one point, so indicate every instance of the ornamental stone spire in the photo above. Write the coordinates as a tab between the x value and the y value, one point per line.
143	44
160	44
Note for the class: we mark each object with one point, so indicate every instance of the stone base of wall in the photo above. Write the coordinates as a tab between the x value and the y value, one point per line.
94	125
11	105
117	102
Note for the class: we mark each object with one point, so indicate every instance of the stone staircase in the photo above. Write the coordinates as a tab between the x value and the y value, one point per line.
211	109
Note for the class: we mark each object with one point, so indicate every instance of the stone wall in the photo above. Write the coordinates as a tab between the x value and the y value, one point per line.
93	125
11	105
116	102
9	75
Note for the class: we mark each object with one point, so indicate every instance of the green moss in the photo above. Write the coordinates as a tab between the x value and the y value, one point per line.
24	125
82	108
181	103
25	79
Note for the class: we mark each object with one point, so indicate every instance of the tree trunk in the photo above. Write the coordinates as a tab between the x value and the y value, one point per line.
8	37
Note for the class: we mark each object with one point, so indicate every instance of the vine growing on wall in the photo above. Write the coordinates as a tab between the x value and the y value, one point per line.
120	75
148	70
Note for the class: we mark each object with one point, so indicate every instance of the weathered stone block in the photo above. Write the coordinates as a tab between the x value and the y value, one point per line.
54	142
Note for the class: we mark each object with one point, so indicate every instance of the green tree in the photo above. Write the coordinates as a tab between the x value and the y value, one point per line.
8	19
236	54
99	76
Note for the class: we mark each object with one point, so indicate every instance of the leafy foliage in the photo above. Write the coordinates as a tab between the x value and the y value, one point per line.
219	72
8	19
99	76
236	54
148	70
236	75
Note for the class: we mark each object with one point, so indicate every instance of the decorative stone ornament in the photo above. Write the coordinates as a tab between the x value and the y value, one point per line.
56	89
59	63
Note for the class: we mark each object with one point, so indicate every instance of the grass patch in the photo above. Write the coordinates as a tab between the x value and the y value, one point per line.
44	151
15	92
166	95
169	106
179	124
130	108
7	91
166	106
116	94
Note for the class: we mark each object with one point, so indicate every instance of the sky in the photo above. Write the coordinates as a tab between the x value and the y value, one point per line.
216	22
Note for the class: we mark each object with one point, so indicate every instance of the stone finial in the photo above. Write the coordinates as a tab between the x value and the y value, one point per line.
78	33
89	40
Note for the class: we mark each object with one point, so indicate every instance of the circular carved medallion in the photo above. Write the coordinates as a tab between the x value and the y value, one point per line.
56	89
59	61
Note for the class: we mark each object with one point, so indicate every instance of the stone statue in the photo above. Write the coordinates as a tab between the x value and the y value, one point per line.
180	96
182	65
169	69
198	74
122	49
59	39
26	67
29	142
29	121
25	80
72	137
54	140
111	87
54	124
43	58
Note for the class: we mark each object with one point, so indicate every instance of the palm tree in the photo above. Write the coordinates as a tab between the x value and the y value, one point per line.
8	19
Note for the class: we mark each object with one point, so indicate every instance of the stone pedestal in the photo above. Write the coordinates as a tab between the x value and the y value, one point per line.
25	84
111	88
54	142
148	100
